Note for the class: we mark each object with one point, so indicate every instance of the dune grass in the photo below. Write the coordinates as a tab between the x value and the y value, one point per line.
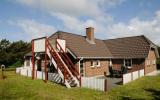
16	87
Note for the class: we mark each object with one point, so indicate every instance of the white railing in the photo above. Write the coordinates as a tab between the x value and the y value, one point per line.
132	76
94	83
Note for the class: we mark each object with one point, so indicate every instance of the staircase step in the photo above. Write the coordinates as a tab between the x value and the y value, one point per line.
63	64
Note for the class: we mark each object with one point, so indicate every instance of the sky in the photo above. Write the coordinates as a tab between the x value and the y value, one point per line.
28	19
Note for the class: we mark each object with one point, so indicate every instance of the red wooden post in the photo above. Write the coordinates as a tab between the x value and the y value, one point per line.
33	62
46	74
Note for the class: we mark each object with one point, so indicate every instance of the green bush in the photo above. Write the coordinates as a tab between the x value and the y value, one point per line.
16	64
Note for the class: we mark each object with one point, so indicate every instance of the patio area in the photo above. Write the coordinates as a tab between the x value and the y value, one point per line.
111	81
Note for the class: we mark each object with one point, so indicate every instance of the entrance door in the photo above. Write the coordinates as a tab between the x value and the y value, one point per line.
81	68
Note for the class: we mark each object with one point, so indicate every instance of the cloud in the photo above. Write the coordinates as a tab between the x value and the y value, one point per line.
91	8
78	26
33	29
95	13
70	7
71	11
149	28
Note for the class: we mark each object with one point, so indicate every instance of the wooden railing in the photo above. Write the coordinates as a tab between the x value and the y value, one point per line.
68	61
60	65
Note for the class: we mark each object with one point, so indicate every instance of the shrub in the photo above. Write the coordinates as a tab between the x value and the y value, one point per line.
16	64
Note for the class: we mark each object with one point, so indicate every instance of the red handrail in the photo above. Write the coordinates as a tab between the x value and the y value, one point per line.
64	70
72	67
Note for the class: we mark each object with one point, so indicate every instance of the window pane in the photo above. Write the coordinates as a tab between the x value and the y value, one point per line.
128	62
91	63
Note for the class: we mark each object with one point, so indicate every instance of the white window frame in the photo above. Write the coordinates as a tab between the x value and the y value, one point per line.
125	63
83	67
153	62
148	62
99	63
92	64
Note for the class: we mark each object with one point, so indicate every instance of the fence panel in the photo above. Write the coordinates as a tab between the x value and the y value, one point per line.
127	78
141	73
40	75
23	72
93	83
132	76
29	73
135	75
18	70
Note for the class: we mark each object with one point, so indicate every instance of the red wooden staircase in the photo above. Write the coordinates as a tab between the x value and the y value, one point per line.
64	65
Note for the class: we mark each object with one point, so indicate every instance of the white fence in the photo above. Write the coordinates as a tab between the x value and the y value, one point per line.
55	77
94	83
24	71
132	76
40	75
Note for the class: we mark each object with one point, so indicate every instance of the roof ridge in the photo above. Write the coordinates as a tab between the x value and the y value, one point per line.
70	33
77	34
125	37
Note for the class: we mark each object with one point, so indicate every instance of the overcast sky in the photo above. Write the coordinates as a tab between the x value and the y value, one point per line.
27	19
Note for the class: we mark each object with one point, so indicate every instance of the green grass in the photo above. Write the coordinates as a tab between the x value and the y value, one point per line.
23	88
145	88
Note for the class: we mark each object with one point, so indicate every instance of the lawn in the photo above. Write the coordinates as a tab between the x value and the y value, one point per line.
23	88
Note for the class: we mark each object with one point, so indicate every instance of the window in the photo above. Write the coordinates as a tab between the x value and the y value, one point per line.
27	63
128	63
97	63
153	62
148	62
92	63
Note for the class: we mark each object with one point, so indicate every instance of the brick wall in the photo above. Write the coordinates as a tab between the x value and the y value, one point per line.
151	67
137	64
117	63
95	71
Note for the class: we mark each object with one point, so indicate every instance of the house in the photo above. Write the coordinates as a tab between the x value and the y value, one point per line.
86	56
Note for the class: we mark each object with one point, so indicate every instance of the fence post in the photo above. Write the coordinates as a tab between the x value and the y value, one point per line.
80	82
105	85
122	80
27	72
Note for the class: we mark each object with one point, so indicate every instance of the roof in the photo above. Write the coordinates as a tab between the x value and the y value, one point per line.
29	54
127	47
81	48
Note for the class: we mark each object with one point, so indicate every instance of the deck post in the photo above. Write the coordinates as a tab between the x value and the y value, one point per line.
105	85
33	61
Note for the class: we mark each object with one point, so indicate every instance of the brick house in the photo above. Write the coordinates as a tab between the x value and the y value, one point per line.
92	57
